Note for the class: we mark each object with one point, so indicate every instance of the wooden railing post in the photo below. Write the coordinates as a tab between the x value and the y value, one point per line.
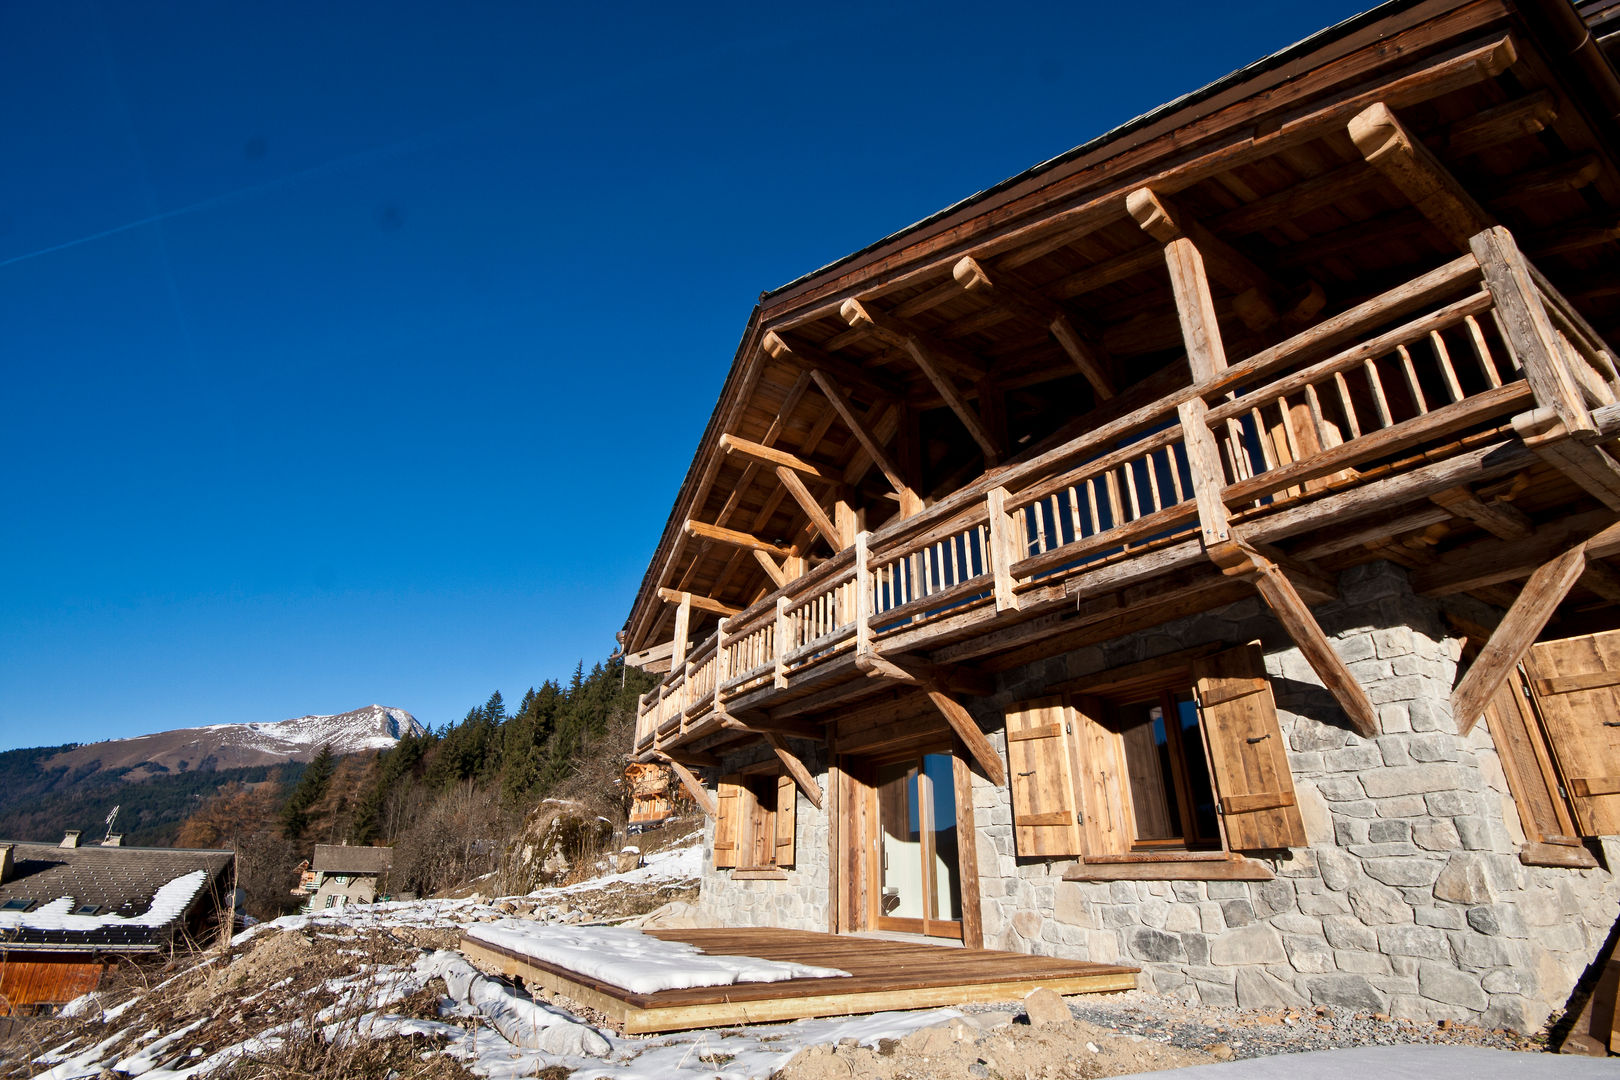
780	641
686	691
863	596
1003	529
1204	461
722	664
1529	331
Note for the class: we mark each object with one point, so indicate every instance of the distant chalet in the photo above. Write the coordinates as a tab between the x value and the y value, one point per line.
67	912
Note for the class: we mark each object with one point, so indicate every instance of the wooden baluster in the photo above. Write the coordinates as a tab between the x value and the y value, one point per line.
956	566
1327	435
1153	479
1091	505
1343	388
1380	402
1130	489
1449	373
1075	521
1263	439
1116	511
1238	448
863	603
1040	528
783	643
1482	351
1408	370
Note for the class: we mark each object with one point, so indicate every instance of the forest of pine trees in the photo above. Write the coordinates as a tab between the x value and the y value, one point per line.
447	801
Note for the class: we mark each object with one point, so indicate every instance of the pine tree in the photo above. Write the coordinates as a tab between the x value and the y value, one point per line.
311	786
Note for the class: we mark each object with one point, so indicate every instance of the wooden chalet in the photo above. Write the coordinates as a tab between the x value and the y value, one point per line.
1117	564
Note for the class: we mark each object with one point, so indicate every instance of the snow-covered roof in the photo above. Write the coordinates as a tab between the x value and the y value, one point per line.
344	859
110	899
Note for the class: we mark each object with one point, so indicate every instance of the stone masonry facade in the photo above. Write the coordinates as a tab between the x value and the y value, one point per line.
1409	898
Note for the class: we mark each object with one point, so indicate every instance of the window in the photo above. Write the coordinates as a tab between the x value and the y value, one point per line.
1553	723
754	821
1179	757
16	905
87	909
331	901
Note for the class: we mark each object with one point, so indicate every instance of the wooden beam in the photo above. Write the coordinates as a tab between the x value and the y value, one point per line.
1295	615
901	334
1511	120
909	502
812	509
1261	301
772	568
703	530
1591	467
1013	293
967	729
767	455
694	787
705	603
927	354
795	767
814	359
1499	518
1491	562
1512	638
1427	184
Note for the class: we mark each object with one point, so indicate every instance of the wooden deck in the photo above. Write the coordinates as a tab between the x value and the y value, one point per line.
883	975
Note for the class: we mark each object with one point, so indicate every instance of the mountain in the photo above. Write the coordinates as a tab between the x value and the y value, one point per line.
234	746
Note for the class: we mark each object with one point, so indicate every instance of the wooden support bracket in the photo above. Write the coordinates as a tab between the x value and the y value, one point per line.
813	510
815	360
767	455
704	531
1388	147
1514	635
932	680
1588	465
1011	292
909	502
694	787
704	603
795	767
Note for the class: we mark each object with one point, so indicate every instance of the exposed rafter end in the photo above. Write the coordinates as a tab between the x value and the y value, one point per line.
704	603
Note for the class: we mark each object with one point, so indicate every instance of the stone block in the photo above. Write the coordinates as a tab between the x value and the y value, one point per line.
1292	922
1102	947
1432	746
1313	812
1430	715
1477	952
1323	903
1379	905
1237	913
1028	924
1440	982
1499	920
1339	871
1153	912
1218	994
1514	1013
1227	890
1474	833
1186	891
1341	787
1258	990
1464	880
1508	981
1361	963
1181	918
1404	870
1209	917
1247	945
1401	688
1451	803
1352	759
1345	991
1410	780
1196	947
1442	916
1420	941
1394	717
1344	932
1151	945
1308	954
1309	734
1436	835
1270	897
1392	749
1070	908
1122	892
1348	831
1389	832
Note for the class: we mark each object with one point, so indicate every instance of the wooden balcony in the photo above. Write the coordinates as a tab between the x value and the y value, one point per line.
1474	371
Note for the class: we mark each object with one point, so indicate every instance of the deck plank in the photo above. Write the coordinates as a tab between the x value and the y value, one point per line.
883	975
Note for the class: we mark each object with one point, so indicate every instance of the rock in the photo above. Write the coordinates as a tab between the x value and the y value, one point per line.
1346	992
1405	869
989	1021
1441	983
1377	905
1463	881
1247	945
1044	1006
1221	1052
1156	945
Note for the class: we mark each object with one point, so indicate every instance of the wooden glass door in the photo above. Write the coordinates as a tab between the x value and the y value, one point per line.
917	869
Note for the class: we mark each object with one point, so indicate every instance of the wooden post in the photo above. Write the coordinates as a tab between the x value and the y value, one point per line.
1514	635
967	729
780	641
1529	330
1204	461
863	594
683	630
1388	147
693	785
722	665
796	769
1003	527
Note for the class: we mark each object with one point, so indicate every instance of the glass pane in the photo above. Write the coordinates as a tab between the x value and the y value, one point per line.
902	895
1203	792
939	768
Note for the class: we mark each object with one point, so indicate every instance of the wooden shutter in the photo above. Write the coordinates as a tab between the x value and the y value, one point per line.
1247	759
1576	684
787	801
727	820
1525	761
1046	814
1100	765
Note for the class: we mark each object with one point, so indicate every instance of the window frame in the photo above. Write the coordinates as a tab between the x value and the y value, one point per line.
751	820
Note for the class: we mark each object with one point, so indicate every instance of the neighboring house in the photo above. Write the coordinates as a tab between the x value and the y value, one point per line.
1118	563
69	912
340	874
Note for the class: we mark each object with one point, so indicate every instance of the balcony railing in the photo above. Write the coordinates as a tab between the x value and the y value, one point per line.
1425	374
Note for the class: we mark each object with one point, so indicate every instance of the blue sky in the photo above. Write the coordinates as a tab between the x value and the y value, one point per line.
354	353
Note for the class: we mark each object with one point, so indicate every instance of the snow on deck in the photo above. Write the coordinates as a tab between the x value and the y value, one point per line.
633	961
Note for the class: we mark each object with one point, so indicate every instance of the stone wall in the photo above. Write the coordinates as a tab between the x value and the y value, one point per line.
1409	898
797	903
